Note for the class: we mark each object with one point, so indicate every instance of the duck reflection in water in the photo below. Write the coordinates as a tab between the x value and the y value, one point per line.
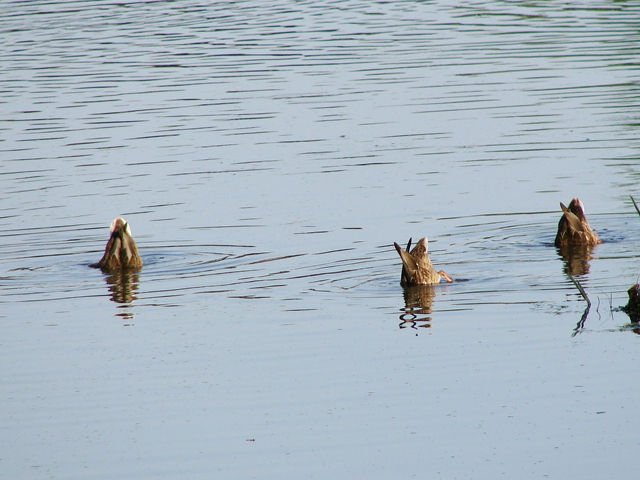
418	277
575	239
122	262
123	287
418	304
576	258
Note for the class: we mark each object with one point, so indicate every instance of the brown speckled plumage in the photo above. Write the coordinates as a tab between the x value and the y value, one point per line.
121	251
573	227
417	268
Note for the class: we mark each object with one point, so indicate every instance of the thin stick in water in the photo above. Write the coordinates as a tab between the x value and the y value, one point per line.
635	205
579	287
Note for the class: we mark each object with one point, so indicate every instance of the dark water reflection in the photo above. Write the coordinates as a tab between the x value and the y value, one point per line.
418	302
576	258
123	286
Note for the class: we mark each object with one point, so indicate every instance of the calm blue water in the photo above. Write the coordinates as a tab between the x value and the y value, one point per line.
267	157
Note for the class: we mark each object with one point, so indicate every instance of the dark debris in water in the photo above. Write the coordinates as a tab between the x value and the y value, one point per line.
633	307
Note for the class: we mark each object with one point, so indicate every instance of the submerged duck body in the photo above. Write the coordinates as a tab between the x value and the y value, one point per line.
417	268
121	251
573	227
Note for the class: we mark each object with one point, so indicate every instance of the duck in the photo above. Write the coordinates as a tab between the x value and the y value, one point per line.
417	268
121	251
633	307
573	227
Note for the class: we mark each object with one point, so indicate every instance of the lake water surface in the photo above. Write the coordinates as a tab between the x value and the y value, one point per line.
267	156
